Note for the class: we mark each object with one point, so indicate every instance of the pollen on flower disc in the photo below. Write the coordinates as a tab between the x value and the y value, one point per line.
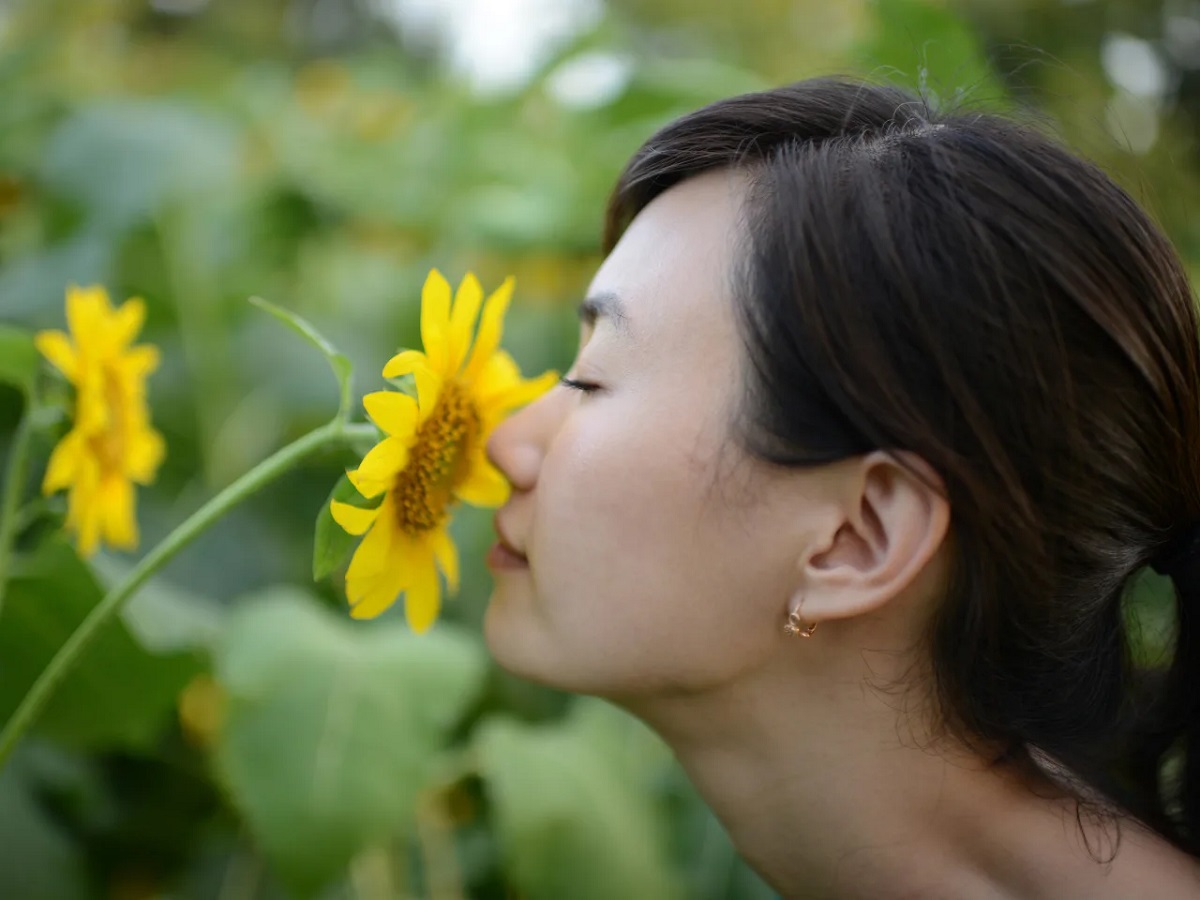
423	490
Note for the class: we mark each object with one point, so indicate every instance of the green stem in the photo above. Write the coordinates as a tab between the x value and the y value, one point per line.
335	432
14	488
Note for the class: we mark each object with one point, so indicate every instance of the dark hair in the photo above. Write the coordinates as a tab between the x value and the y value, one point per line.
957	285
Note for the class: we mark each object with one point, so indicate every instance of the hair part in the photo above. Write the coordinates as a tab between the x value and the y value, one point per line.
957	285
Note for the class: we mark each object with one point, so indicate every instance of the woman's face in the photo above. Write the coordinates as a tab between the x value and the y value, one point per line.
660	557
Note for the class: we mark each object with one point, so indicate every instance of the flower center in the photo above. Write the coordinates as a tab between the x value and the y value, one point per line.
108	442
424	489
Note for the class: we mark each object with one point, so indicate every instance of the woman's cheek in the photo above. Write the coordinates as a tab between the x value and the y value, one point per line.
584	484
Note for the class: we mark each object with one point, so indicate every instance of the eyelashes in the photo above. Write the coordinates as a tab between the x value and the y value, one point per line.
585	386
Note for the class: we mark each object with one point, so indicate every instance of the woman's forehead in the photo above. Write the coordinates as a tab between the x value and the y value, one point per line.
669	274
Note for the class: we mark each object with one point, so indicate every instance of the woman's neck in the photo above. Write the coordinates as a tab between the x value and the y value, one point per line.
827	792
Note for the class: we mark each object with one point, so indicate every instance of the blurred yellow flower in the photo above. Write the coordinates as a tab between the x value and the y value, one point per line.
111	445
202	710
433	451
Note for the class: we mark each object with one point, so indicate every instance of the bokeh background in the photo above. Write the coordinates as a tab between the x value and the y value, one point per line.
235	736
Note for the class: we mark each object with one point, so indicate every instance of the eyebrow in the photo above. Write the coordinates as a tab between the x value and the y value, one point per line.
606	305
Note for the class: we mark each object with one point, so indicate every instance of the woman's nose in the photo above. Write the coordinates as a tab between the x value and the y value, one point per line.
517	445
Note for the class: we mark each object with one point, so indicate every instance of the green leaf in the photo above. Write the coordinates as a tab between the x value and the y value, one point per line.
333	727
332	544
30	284
119	694
18	357
342	369
124	160
1150	619
40	861
571	820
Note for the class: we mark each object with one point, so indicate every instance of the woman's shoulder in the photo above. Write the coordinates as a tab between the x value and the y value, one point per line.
1147	865
1105	859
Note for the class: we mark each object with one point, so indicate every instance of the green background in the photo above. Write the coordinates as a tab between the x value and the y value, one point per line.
235	735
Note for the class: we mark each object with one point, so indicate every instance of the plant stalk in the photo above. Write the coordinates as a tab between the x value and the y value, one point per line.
268	470
14	487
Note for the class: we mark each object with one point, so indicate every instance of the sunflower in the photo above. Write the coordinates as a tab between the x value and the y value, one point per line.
111	445
432	453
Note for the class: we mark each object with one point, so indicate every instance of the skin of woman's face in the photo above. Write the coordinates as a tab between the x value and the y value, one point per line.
661	557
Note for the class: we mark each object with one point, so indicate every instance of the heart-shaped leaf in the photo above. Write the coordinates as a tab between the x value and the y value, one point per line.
573	814
332	543
119	693
333	727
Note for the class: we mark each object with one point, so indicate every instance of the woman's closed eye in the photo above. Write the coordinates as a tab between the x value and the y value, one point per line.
586	386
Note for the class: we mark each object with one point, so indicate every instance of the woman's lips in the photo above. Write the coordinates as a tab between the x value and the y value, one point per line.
503	554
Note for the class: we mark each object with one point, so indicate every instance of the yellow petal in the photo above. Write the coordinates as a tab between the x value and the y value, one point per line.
58	349
385	460
88	528
84	489
91	410
64	463
353	519
462	321
405	362
435	318
484	485
429	389
140	361
392	411
446	555
491	327
423	597
378	550
86	310
378	595
369	488
145	451
127	322
524	391
379	570
119	520
499	373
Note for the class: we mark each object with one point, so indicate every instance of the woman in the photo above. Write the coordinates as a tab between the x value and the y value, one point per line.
923	389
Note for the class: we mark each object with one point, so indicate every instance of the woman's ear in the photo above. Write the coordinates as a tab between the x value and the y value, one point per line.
891	520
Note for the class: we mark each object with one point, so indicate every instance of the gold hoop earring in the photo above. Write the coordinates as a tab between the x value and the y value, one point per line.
793	625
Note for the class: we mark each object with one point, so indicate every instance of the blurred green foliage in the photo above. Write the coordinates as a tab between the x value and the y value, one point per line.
235	736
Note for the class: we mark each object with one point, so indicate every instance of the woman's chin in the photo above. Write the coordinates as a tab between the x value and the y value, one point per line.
509	632
522	645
